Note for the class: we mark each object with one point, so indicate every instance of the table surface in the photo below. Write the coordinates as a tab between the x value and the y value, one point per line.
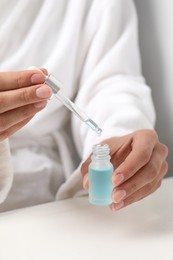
74	229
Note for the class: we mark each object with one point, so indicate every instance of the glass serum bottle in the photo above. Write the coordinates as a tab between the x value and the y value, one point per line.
100	176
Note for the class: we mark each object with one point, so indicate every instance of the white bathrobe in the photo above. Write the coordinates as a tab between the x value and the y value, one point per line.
92	48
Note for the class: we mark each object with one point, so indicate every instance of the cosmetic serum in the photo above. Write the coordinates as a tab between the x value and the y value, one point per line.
100	176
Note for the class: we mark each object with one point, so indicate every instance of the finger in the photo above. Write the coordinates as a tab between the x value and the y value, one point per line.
85	182
20	79
147	174
12	117
20	97
45	71
142	148
164	150
163	170
138	195
7	133
119	156
144	191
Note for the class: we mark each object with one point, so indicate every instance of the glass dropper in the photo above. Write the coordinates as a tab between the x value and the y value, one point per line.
56	86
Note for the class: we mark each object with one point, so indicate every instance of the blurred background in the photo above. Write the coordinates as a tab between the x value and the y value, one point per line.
156	44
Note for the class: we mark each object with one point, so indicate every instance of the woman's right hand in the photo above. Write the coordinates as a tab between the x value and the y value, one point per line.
22	95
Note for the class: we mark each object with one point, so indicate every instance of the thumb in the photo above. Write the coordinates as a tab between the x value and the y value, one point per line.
120	147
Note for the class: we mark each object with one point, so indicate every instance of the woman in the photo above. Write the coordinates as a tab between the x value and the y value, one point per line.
92	47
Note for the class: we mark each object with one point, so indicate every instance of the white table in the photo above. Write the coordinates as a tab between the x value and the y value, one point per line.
73	229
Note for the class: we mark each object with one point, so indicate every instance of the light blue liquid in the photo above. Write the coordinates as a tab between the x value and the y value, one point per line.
93	126
100	186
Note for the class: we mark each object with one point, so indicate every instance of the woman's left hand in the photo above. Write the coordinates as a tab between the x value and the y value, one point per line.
140	164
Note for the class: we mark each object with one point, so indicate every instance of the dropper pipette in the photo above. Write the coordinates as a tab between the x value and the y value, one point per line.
56	85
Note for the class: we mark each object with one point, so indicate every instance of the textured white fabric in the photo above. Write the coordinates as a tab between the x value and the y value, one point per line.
6	175
92	47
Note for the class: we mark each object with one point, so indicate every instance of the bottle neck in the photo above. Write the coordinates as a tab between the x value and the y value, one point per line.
100	157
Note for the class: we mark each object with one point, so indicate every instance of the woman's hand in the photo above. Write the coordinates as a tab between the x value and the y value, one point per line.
140	164
22	95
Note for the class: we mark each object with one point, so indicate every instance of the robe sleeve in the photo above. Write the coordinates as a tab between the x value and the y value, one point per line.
6	171
111	87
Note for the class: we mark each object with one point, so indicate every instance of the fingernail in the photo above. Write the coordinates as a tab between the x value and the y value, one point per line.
118	179
41	104
37	78
119	195
117	206
43	92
